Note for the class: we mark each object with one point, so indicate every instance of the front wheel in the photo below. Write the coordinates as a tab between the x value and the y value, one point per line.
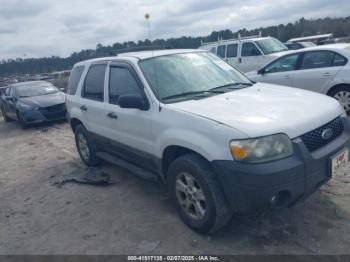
85	146
3	112
21	121
342	94
198	196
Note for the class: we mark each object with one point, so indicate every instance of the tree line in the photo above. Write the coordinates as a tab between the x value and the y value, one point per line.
340	27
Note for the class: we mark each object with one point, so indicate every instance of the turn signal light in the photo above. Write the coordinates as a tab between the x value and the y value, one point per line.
238	152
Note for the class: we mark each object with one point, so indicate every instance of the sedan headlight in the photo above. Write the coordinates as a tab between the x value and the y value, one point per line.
28	107
261	149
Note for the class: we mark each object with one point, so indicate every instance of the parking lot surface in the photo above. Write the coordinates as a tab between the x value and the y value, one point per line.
40	215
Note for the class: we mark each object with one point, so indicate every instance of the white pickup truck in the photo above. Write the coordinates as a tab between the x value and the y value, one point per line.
221	143
247	54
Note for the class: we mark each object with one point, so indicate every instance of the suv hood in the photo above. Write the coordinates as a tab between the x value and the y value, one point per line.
265	109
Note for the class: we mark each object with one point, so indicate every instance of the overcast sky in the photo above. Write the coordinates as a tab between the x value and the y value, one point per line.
38	28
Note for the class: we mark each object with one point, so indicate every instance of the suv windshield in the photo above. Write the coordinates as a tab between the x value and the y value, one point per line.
35	89
189	75
271	45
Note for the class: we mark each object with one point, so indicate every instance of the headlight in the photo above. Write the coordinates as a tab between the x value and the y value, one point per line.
28	107
262	149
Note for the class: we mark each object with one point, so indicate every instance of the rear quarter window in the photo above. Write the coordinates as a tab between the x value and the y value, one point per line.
74	79
339	60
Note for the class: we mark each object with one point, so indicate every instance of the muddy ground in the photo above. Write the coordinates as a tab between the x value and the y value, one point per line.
39	215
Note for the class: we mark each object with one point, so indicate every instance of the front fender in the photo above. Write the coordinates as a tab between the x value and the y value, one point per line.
211	149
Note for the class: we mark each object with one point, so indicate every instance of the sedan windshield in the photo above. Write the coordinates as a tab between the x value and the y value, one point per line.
35	89
271	45
188	75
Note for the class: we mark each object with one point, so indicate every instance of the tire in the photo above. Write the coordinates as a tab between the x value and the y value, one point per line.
216	210
6	118
87	153
342	94
21	121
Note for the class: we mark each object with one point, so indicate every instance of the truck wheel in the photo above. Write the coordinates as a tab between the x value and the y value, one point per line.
342	94
85	146
198	196
6	118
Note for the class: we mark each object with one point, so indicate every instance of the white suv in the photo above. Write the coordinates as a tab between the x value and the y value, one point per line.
247	54
222	144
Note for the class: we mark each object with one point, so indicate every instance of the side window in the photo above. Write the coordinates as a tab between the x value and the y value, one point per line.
94	83
221	51
250	49
213	50
317	59
339	60
121	82
295	46
232	50
283	64
74	79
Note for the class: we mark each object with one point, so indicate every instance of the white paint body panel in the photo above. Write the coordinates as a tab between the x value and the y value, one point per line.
266	109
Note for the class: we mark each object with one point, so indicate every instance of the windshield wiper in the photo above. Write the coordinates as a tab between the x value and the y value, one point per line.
231	85
191	93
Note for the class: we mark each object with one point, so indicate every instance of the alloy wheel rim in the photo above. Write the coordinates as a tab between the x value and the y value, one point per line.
83	147
344	99
190	196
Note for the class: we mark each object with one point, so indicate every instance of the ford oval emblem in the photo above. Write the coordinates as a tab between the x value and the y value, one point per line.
327	134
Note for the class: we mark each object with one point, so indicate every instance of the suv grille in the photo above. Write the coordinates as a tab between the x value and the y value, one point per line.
314	139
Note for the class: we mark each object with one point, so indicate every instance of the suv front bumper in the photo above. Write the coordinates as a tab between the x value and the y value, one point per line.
256	187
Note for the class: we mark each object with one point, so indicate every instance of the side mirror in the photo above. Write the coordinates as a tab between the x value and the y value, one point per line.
133	101
261	71
10	98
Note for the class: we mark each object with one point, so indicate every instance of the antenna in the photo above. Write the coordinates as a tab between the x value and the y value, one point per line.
147	17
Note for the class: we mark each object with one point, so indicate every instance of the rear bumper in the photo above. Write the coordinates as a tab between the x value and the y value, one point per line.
256	187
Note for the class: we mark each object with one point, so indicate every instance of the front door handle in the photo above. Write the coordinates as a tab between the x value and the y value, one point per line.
286	77
83	108
112	115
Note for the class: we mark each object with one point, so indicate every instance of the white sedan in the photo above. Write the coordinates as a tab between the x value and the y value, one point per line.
323	69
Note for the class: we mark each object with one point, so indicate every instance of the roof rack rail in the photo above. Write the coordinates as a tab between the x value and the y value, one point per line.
221	40
142	48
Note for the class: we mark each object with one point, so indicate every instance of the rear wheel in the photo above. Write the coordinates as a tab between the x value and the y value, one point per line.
3	112
342	94
85	146
198	196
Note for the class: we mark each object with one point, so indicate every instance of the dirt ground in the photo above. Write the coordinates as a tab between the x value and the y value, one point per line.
134	216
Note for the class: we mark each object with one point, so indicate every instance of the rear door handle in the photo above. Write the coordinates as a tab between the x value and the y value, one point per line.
286	77
83	108
112	115
327	74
